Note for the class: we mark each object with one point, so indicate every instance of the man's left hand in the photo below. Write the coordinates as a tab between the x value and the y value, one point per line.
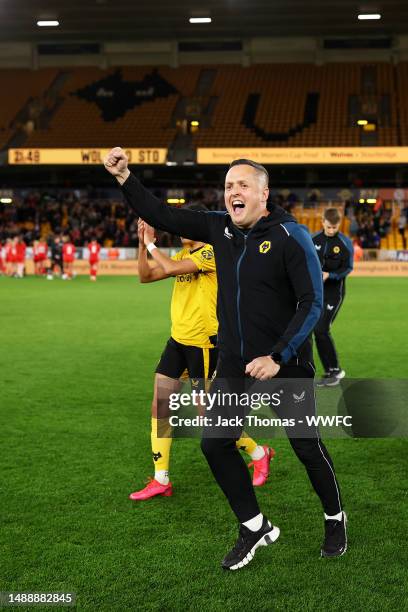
325	276
262	368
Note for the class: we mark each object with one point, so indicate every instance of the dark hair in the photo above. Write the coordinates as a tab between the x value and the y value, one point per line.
249	162
332	215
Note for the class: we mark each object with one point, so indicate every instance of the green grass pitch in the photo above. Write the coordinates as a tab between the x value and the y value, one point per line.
77	363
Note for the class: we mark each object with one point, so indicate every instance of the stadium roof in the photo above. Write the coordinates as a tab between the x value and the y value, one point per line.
164	19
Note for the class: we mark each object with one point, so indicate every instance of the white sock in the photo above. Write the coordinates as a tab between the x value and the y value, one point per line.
162	476
335	517
258	453
255	523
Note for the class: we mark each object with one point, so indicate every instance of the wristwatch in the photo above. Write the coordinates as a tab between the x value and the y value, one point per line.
277	357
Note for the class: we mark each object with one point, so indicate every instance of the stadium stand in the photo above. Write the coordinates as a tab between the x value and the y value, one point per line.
262	105
284	105
79	121
20	87
401	72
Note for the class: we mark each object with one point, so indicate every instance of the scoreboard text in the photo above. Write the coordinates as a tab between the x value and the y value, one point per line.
81	156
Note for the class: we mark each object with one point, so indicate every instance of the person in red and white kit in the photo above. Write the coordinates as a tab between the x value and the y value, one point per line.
93	248
21	248
9	256
2	259
68	257
40	250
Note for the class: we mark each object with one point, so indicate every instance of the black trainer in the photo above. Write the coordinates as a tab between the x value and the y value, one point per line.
247	543
330	379
335	537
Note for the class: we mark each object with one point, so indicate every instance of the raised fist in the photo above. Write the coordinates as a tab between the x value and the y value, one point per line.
116	162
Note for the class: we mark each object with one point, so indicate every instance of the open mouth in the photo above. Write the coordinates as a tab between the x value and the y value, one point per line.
237	205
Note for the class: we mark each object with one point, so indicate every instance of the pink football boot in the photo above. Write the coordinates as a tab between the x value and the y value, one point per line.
262	467
152	489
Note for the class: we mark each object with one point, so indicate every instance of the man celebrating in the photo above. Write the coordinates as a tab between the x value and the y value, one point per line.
269	299
335	252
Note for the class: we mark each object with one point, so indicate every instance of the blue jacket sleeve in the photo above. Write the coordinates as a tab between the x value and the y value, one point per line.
305	275
348	260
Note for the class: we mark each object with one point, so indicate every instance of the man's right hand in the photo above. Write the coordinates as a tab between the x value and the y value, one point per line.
116	162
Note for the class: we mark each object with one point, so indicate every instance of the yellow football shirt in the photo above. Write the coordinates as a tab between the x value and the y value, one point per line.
194	300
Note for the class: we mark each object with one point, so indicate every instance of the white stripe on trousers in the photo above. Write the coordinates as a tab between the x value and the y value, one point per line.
328	462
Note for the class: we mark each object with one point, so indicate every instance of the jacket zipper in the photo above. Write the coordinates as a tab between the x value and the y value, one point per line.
325	247
239	292
324	252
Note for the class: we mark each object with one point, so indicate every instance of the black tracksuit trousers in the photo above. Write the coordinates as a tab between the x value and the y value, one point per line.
333	299
226	462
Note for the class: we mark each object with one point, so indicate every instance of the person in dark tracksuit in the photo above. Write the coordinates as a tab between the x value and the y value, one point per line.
335	252
56	261
270	297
